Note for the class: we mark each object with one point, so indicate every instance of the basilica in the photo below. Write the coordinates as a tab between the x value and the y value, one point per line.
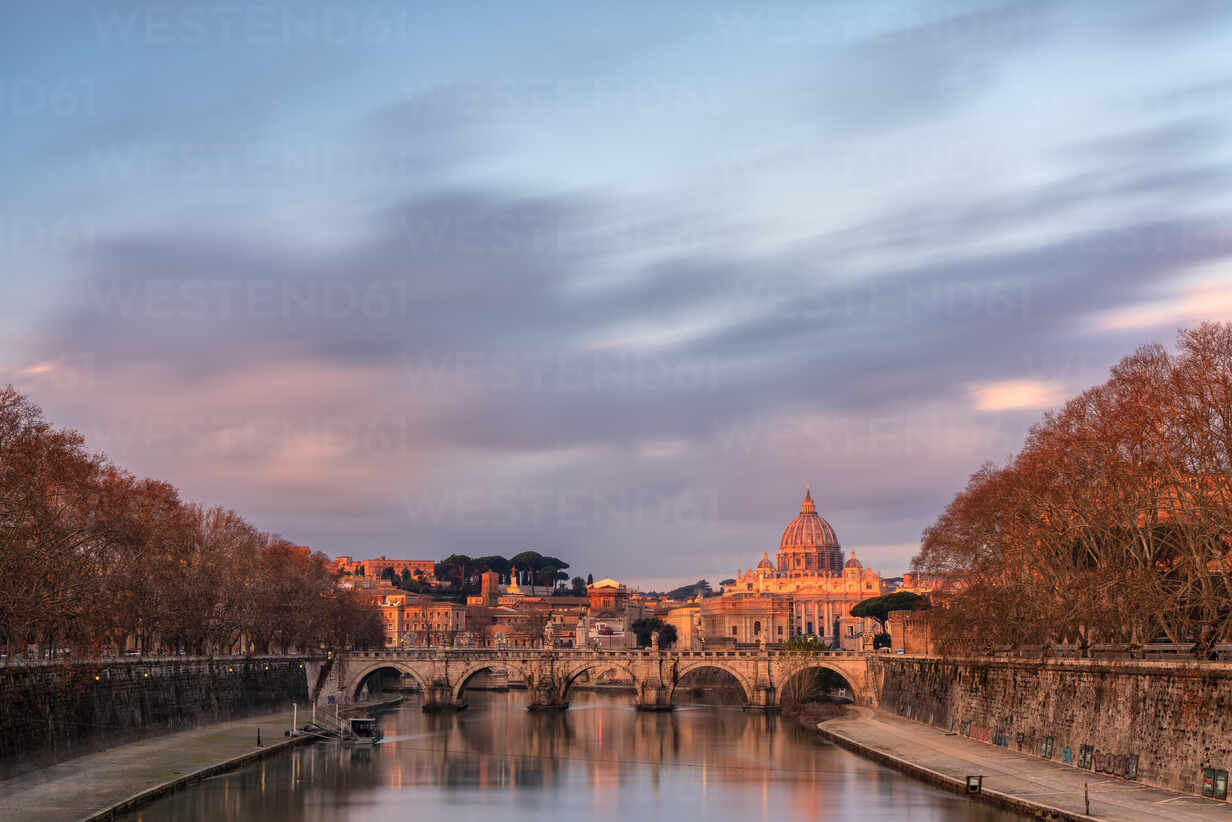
808	590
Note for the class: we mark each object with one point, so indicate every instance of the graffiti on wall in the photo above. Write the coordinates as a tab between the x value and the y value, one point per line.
1085	754
1046	747
981	732
1215	783
1122	765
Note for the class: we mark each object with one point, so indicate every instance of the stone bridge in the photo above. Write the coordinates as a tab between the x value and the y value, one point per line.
442	675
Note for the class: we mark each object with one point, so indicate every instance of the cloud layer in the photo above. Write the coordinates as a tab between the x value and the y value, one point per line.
418	319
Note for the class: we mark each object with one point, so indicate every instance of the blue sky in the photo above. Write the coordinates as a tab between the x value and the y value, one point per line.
611	282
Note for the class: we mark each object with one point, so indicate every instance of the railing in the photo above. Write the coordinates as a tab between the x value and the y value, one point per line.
430	652
136	659
1150	651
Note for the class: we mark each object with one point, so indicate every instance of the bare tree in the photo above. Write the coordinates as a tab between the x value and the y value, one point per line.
1112	524
95	559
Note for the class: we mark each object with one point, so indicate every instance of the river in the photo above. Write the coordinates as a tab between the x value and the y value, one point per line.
600	760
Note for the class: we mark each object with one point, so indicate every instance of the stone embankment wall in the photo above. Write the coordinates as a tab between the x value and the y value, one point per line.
1167	724
49	712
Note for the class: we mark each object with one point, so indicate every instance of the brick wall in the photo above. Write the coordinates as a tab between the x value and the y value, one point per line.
1162	723
51	712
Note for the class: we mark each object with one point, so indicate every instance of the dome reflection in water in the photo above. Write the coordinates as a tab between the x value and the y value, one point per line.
600	760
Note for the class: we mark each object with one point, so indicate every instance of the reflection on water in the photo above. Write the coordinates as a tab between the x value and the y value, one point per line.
600	760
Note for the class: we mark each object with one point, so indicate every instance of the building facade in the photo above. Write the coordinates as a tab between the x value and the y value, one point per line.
809	579
432	622
610	613
420	569
743	619
687	620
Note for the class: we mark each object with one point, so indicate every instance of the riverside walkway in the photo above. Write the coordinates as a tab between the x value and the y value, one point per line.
1022	779
81	787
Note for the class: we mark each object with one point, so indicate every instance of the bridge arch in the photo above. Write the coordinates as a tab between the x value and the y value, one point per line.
576	670
356	680
745	684
458	684
854	675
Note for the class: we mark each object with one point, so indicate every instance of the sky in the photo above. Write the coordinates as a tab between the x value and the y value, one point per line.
608	281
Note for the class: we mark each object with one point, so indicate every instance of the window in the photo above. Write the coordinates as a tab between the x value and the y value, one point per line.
756	627
734	630
780	630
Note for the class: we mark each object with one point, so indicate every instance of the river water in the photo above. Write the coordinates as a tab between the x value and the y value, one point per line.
600	760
